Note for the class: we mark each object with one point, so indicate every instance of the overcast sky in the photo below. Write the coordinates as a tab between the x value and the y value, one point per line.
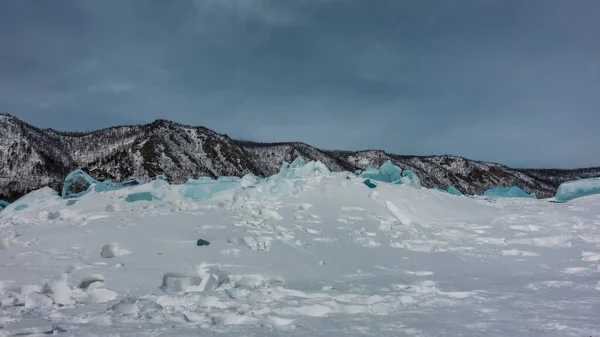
516	82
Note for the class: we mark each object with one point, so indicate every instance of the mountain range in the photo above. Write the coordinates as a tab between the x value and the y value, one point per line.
32	157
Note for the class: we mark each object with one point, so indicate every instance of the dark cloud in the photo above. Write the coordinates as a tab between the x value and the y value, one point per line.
502	80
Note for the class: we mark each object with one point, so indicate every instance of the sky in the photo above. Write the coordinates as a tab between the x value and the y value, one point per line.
514	82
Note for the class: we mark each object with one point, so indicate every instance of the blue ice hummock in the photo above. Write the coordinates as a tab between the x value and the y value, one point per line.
577	188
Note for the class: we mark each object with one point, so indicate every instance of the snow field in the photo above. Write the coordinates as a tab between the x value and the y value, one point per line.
329	257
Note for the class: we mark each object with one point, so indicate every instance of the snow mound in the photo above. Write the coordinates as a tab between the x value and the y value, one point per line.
577	189
112	250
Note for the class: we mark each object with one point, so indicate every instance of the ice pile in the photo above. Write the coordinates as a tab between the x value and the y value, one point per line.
299	168
508	192
577	188
390	173
78	183
282	183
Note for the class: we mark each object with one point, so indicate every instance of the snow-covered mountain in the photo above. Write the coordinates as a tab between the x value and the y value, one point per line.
31	158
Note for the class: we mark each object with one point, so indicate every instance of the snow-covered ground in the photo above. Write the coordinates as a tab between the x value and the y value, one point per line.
330	258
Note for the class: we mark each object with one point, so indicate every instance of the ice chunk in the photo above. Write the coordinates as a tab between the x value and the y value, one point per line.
369	183
577	188
159	183
390	171
141	196
285	171
321	167
306	171
309	169
287	181
3	205
440	190
77	183
298	162
414	180
105	186
250	180
108	185
507	192
72	202
403	181
204	188
454	191
372	173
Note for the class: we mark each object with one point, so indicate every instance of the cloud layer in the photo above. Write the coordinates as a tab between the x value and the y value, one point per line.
508	81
